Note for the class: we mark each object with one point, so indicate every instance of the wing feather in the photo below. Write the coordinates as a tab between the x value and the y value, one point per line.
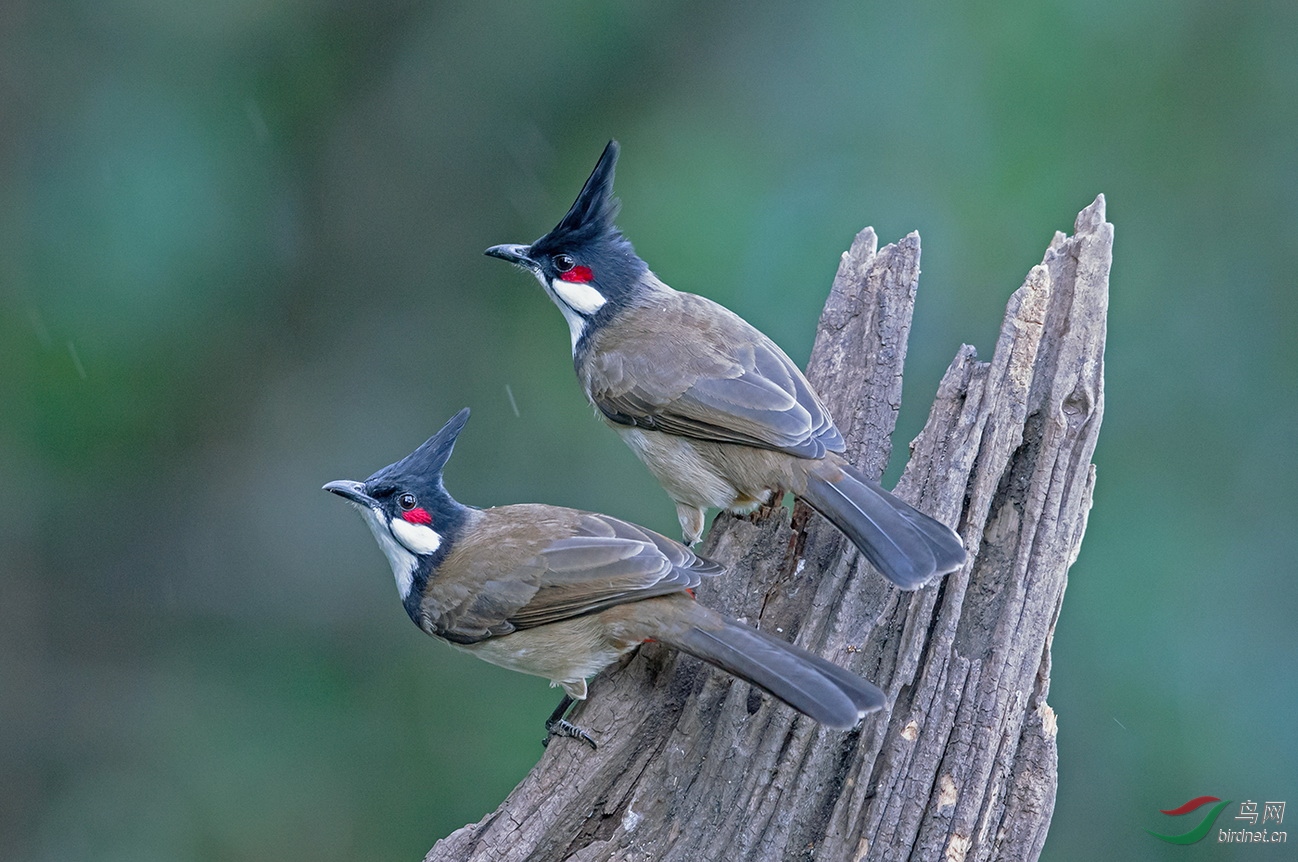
727	383
588	563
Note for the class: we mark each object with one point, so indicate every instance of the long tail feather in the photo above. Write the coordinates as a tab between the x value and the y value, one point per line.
907	546
810	684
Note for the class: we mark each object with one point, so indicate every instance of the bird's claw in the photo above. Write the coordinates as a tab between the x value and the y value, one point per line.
563	727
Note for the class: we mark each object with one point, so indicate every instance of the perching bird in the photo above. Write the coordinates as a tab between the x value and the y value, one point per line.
717	412
561	593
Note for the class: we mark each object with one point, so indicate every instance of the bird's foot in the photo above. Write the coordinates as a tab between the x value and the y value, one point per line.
563	727
557	725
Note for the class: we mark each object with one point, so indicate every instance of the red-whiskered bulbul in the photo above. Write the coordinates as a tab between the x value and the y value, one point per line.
561	593
719	414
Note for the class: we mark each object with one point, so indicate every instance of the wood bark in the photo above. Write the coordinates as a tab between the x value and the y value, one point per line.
696	765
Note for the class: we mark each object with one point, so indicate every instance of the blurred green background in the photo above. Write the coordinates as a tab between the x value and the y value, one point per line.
240	255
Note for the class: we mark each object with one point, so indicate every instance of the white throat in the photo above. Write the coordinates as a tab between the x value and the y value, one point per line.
400	544
577	302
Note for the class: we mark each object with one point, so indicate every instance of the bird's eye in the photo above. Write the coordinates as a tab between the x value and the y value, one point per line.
564	262
406	501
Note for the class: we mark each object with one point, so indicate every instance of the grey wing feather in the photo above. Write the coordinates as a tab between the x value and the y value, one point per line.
609	562
770	405
469	613
732	385
692	566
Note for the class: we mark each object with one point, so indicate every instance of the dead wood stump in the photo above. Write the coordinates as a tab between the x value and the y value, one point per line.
696	765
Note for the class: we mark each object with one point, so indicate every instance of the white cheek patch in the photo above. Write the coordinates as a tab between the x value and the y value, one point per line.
576	301
417	537
580	297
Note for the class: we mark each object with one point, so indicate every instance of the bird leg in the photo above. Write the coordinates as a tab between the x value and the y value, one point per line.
557	725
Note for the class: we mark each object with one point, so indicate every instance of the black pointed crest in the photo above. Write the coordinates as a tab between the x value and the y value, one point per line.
427	462
591	214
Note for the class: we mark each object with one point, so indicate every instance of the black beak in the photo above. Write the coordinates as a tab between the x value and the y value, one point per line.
351	491
518	254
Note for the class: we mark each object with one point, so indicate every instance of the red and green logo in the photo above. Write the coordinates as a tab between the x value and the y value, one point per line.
1205	825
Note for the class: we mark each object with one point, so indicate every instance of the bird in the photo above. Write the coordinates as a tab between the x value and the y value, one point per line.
713	407
562	593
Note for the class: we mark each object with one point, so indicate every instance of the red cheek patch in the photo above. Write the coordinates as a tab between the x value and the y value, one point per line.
417	516
578	274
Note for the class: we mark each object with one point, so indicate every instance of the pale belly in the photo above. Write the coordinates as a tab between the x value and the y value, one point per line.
712	475
565	653
677	464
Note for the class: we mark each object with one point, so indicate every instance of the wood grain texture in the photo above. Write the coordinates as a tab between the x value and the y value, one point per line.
695	765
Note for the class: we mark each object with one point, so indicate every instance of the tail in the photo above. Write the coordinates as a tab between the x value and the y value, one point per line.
810	684
909	547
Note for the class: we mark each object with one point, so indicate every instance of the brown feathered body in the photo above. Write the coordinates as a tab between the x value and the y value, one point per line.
724	419
717	412
562	593
666	371
556	592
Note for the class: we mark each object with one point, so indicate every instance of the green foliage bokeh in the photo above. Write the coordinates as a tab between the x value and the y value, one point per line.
240	255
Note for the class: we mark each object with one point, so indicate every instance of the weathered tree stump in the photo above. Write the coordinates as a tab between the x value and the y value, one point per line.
696	765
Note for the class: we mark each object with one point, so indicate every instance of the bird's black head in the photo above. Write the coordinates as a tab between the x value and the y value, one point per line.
585	263
413	518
